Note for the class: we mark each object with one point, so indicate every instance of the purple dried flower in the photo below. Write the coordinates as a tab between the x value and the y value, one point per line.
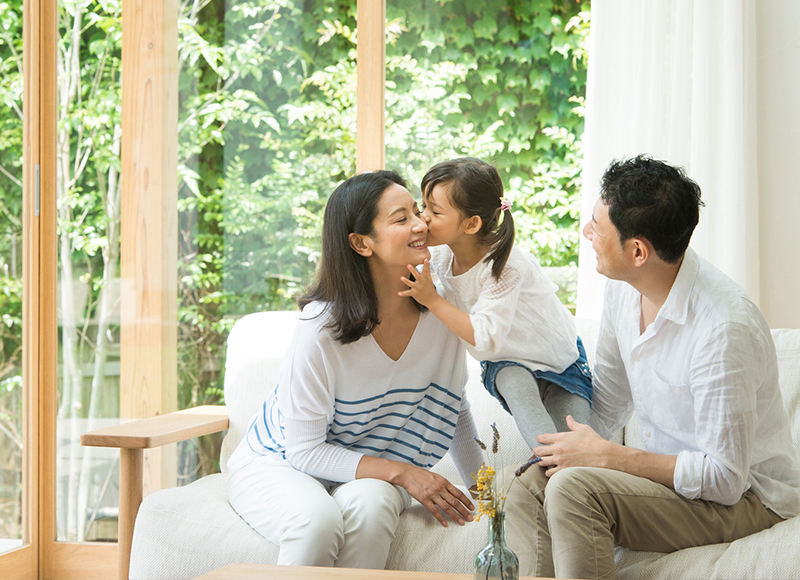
480	443
527	465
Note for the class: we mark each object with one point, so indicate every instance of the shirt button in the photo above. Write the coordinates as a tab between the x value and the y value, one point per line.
639	399
636	359
647	434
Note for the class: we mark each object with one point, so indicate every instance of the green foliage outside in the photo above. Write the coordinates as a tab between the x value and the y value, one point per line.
267	125
500	80
10	269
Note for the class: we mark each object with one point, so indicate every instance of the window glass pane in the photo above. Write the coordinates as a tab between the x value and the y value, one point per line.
503	81
266	130
11	402
87	182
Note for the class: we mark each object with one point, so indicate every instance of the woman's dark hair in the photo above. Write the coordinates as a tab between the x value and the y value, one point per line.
343	278
475	189
651	199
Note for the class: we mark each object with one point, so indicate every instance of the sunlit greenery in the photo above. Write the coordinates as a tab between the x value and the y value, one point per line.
267	125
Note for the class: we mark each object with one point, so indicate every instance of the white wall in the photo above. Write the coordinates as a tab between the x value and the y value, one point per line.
778	95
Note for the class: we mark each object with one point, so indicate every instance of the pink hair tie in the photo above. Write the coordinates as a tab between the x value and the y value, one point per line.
505	204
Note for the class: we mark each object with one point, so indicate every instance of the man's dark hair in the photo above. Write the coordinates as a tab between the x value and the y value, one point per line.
651	199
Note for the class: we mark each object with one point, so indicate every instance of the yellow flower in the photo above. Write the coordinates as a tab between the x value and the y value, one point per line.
485	477
487	497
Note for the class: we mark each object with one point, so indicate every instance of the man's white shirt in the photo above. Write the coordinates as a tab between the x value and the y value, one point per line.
703	381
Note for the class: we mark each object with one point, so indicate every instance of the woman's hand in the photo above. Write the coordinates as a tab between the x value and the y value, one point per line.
421	288
430	489
437	494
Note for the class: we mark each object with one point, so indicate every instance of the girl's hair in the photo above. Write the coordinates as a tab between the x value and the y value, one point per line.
475	189
343	278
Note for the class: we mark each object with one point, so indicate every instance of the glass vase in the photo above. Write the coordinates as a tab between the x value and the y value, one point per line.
496	561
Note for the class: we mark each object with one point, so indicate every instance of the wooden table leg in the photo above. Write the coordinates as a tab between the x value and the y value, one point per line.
131	466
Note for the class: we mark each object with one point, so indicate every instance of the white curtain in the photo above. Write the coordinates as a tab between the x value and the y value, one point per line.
676	79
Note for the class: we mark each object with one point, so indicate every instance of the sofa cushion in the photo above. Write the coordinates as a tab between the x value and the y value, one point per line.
183	532
766	555
187	531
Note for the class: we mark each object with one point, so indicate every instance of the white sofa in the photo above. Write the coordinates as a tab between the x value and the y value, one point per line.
187	531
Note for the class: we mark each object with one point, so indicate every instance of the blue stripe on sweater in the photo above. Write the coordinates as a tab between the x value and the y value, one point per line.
392	404
394	391
336	436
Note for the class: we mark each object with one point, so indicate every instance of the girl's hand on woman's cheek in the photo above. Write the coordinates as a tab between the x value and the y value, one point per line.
421	288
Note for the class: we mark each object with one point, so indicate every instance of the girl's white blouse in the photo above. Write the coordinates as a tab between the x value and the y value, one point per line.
517	317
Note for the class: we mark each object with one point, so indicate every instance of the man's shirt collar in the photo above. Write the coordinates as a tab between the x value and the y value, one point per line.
676	307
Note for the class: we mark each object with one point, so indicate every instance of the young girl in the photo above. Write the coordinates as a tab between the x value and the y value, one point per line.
499	302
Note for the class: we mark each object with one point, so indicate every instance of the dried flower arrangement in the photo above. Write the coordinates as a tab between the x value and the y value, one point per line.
492	495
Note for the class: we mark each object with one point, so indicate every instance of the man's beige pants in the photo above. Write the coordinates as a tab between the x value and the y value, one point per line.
567	526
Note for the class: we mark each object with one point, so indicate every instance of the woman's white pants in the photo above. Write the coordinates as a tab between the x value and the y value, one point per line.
349	525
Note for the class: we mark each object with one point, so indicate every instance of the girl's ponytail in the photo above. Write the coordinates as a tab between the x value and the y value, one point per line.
504	240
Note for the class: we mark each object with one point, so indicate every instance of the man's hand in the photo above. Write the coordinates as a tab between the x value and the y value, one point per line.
421	288
581	446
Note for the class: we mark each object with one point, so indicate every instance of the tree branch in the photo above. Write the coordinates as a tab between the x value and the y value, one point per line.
5	172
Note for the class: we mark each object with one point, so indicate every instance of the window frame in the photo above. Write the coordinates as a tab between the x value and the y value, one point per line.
148	271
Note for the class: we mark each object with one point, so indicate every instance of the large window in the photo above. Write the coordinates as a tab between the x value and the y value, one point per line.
184	172
266	129
503	81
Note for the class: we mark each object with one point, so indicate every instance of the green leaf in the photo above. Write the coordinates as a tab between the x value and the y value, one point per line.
486	27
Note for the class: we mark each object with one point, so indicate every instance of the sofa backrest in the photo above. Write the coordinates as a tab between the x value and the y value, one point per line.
256	346
787	343
258	342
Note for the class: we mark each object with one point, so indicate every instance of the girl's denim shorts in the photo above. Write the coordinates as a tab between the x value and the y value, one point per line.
576	378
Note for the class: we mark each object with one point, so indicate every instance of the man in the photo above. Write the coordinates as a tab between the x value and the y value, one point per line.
682	346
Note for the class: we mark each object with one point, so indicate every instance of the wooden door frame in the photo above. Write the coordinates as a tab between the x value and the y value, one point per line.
23	562
370	85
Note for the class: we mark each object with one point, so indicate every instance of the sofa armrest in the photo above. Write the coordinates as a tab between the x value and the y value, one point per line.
160	430
132	438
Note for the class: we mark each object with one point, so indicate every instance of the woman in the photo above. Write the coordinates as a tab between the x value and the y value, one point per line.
370	396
